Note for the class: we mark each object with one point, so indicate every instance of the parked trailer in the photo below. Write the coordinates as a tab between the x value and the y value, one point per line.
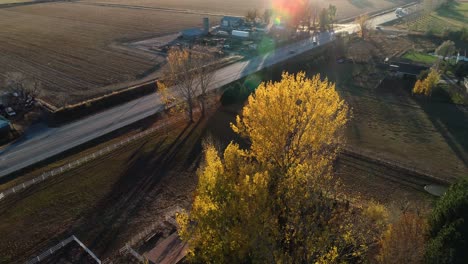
240	34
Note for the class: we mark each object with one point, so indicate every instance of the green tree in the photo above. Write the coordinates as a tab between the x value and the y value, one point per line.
448	227
275	201
461	70
446	49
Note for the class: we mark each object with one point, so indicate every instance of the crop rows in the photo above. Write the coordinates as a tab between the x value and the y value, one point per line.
67	45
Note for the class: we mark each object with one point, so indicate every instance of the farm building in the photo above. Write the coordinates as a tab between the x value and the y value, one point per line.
230	23
402	69
70	250
193	33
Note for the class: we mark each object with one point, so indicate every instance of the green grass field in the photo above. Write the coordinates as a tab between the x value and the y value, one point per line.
419	57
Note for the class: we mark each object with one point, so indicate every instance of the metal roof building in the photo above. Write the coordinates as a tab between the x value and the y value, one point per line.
230	22
192	33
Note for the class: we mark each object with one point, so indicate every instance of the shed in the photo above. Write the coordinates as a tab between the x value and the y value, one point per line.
406	68
230	22
192	33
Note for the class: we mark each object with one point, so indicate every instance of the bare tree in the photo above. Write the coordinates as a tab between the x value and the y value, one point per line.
24	90
267	15
191	73
331	15
204	74
252	15
183	76
363	22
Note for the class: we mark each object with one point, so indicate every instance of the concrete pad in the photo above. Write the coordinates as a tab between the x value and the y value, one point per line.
436	190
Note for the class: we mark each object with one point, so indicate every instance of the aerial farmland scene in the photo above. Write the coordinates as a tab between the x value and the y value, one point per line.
222	131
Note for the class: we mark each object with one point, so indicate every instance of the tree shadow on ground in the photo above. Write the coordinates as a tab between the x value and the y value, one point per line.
451	12
145	170
450	120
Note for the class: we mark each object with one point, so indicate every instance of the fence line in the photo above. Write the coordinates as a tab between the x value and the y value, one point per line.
80	161
421	174
105	150
60	245
129	249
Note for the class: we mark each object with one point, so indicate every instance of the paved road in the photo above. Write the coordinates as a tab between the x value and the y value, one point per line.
47	142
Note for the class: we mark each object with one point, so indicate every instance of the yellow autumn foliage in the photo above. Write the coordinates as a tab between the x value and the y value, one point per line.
275	202
404	241
294	121
426	86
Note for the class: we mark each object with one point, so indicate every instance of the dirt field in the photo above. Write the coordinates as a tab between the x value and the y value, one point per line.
108	201
72	47
66	45
345	8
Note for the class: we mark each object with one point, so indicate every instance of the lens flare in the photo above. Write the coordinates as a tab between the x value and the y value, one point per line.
277	20
286	9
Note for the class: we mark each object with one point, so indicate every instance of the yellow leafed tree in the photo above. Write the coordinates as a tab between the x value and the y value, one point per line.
426	86
418	87
295	121
404	241
275	201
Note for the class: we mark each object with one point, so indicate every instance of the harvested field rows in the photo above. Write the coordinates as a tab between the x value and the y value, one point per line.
66	45
346	8
71	46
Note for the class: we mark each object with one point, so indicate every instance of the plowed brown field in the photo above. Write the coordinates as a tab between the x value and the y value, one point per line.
67	45
72	47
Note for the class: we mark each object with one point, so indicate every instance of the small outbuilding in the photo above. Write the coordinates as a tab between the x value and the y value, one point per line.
230	22
193	33
407	69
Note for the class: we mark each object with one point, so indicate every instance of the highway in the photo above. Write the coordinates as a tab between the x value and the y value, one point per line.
48	142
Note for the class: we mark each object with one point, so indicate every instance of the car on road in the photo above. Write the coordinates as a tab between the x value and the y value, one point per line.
292	51
378	28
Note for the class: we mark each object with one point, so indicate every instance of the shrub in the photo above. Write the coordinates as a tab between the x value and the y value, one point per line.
447	228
